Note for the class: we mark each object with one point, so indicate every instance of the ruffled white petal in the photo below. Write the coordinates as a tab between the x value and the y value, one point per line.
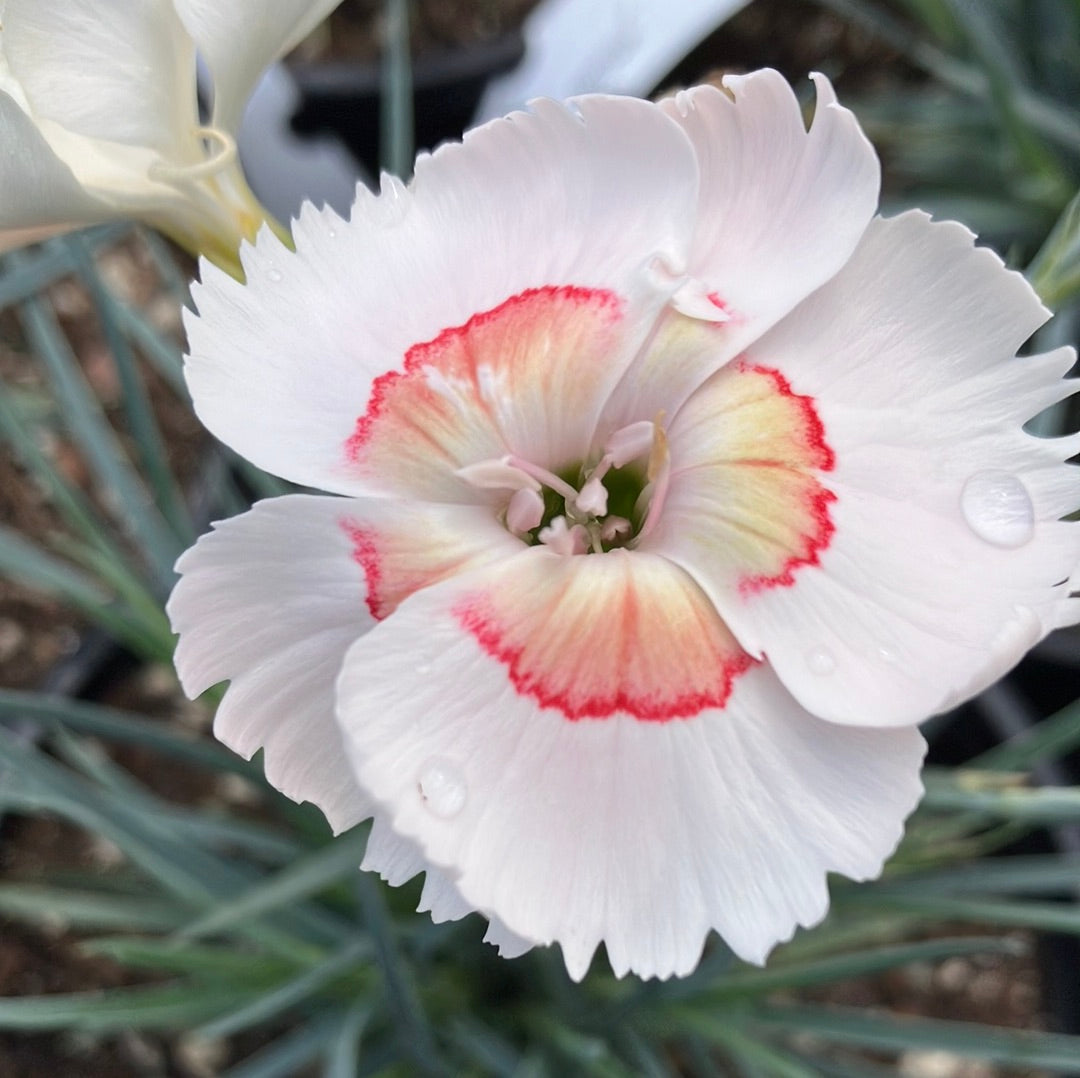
945	558
397	860
238	41
639	833
586	196
780	210
121	70
41	194
774	194
272	599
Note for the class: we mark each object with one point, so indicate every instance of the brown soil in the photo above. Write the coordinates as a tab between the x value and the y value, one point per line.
355	30
37	635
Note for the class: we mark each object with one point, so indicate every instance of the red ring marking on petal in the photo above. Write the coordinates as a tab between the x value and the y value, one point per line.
404	556
820	456
366	555
818	508
632	667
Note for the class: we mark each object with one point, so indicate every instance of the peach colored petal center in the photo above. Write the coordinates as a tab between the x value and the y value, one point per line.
622	633
403	552
747	456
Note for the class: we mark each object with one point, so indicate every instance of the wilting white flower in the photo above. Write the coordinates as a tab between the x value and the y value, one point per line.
672	489
99	117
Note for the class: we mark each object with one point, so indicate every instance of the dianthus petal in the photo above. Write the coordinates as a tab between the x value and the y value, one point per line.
939	555
749	462
780	210
272	600
107	69
397	860
537	747
285	369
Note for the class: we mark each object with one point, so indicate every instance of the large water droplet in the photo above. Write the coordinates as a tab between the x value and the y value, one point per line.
442	788
820	661
274	275
998	509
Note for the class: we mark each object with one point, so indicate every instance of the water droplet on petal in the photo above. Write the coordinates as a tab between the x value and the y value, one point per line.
423	669
998	509
820	661
442	788
331	233
886	655
274	275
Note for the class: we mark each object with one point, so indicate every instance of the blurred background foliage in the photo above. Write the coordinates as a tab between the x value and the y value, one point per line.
167	913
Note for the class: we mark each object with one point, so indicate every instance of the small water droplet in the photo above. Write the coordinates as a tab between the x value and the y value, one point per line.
442	788
886	655
274	275
998	509
331	233
820	661
423	669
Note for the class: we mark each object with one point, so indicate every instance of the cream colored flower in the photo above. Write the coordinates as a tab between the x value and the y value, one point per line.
99	117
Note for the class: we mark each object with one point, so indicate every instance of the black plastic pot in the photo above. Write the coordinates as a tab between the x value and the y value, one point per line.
343	96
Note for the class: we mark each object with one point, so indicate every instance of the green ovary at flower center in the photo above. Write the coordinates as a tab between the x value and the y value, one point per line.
612	518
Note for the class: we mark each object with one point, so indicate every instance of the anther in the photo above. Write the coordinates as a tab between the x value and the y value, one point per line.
593	498
629	443
614	528
563	539
497	474
525	511
548	479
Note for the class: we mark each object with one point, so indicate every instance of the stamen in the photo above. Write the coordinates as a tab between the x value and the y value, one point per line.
548	479
629	443
657	494
658	471
497	475
613	528
658	451
581	523
525	511
563	539
593	498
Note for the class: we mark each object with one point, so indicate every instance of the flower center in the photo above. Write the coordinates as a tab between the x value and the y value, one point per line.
585	508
